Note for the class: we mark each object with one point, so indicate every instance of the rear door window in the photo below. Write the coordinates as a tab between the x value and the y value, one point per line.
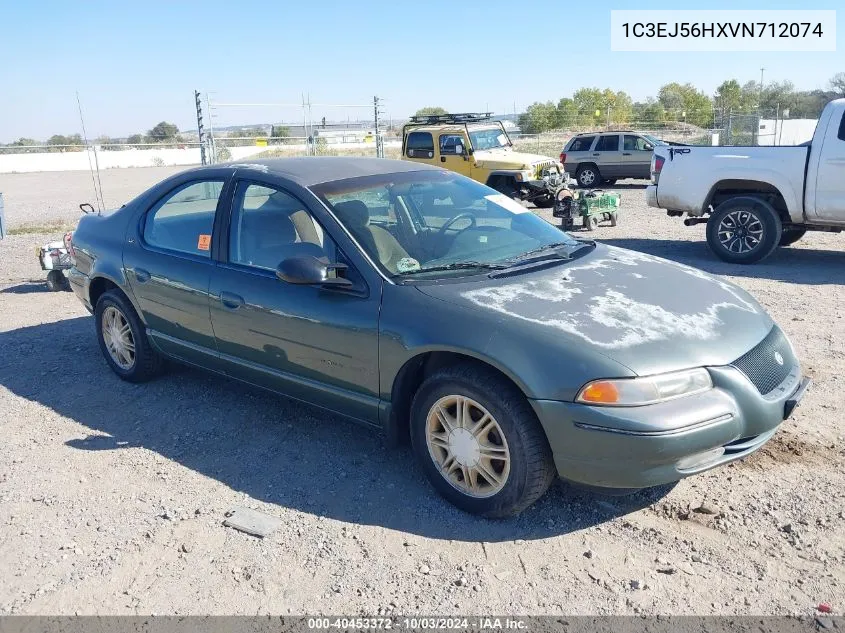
183	220
581	144
608	143
420	145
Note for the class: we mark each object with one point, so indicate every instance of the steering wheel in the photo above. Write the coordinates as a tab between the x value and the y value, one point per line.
452	220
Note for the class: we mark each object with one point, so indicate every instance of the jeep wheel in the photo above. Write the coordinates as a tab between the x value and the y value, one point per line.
588	176
505	186
790	236
479	442
743	230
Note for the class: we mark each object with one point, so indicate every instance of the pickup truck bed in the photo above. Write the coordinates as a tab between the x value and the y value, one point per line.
754	199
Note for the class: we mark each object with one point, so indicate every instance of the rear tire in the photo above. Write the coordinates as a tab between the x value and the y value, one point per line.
743	230
790	236
523	468
588	176
591	222
127	351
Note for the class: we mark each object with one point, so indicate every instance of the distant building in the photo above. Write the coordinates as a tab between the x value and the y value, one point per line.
786	131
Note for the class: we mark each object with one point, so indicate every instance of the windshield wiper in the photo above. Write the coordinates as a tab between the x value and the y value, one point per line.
527	254
455	266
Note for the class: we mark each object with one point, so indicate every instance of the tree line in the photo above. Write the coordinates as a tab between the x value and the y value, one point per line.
683	103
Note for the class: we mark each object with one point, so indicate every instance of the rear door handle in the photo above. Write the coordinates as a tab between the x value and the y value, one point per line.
231	300
142	275
626	153
595	153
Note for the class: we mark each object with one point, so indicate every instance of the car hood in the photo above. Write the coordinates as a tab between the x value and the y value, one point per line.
507	158
647	313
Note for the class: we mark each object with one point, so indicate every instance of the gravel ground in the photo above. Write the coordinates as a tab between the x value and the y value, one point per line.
112	495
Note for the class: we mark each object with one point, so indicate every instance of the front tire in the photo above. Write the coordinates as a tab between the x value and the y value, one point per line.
123	339
743	230
479	442
588	176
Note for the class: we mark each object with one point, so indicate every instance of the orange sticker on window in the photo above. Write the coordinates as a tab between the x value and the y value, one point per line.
204	243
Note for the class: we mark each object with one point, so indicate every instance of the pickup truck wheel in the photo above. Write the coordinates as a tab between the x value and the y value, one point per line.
743	230
790	236
479	442
123	339
588	176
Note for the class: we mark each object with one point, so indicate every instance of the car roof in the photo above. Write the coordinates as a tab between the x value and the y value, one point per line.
608	132
313	170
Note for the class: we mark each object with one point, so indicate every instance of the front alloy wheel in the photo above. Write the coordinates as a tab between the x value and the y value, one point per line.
479	442
468	446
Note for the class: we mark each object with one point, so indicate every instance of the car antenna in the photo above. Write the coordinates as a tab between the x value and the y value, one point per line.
98	194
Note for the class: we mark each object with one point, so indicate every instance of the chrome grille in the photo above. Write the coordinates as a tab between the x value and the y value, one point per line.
760	365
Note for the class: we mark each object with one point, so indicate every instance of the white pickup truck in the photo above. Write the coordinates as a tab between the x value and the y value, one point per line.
757	198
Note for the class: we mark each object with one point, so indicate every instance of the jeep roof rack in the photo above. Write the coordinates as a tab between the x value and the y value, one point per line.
457	117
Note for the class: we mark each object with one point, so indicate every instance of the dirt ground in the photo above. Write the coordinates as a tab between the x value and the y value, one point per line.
112	495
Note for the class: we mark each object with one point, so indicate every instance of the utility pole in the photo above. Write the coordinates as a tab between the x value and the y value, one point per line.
379	137
200	129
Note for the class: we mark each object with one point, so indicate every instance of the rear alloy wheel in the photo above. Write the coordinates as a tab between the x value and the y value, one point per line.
479	442
743	230
123	340
790	236
588	176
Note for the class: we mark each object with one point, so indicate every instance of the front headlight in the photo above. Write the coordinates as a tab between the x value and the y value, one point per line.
636	392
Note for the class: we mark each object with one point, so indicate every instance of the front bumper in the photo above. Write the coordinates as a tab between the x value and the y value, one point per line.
651	196
637	447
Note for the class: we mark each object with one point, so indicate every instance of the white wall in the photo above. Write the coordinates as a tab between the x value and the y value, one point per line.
73	161
70	161
786	131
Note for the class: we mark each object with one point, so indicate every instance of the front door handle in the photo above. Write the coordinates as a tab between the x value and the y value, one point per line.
442	159
231	300
626	153
595	153
142	275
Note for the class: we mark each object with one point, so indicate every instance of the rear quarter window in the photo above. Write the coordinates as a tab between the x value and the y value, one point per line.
420	145
183	220
580	144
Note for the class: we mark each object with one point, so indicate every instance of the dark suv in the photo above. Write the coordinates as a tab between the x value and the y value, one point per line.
600	158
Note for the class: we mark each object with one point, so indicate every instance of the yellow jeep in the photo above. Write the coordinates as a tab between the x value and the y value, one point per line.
479	147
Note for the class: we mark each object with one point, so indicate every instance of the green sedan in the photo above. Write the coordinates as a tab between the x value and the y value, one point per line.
420	302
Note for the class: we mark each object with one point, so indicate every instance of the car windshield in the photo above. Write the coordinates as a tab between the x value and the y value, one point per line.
428	224
488	138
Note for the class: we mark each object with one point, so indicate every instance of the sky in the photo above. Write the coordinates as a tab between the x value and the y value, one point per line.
137	63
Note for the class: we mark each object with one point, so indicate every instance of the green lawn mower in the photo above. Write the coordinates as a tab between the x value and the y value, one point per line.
592	207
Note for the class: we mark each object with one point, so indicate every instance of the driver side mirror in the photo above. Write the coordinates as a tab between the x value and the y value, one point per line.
310	270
